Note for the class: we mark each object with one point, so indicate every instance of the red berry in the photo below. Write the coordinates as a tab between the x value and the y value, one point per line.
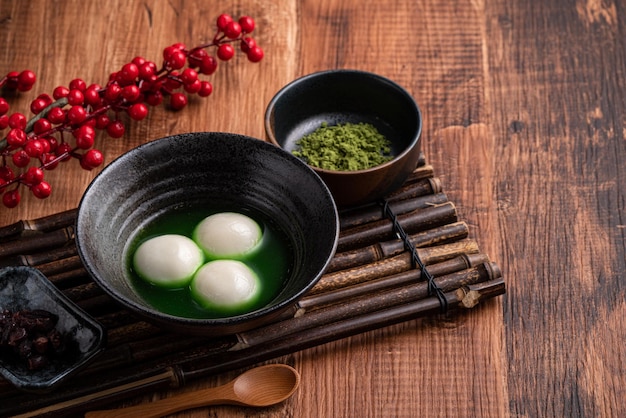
45	145
177	60
37	105
42	125
11	80
194	87
167	52
172	82
51	142
247	24
85	136
41	190
115	129
65	150
75	97
4	106
129	72
154	98
131	93
112	92
20	158
76	114
34	148
56	115
78	84
138	61
154	83
147	70
255	54
223	20
91	159
92	95
178	101
60	92
189	76
208	65
102	121
50	161
225	52
206	89
11	198
16	137
4	121
138	111
33	176
195	57
25	80
247	43
6	173
232	30
17	120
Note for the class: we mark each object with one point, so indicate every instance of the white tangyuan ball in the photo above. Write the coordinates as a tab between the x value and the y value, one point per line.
225	284
228	235
168	260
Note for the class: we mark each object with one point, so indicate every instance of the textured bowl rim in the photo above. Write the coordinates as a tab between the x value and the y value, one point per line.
414	142
233	321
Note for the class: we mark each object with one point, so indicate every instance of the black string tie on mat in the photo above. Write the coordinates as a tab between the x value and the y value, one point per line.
433	289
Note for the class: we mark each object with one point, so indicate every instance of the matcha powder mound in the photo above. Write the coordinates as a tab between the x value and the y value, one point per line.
344	147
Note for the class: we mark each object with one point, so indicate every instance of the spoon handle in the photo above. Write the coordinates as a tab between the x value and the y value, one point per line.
210	396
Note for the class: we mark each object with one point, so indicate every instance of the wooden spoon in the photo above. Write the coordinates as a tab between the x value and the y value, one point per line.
262	386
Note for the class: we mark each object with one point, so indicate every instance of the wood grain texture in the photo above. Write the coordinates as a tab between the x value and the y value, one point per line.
524	113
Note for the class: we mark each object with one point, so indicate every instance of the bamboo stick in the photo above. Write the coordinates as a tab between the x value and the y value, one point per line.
83	291
44	224
380	250
37	242
411	190
412	222
60	266
33	260
316	301
76	276
393	265
116	319
373	212
421	172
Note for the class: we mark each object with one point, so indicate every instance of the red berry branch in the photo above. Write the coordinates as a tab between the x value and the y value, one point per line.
64	125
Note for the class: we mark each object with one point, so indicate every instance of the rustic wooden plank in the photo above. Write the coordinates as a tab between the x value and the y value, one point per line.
557	70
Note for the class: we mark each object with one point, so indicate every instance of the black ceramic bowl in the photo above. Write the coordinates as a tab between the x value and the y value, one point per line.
26	288
228	171
350	96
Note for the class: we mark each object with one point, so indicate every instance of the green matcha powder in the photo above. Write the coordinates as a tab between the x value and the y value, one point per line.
344	147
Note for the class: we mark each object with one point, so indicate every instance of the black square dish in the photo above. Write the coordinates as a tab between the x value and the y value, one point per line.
26	288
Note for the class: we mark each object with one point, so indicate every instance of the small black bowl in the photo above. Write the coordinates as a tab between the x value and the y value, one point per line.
350	96
204	170
26	288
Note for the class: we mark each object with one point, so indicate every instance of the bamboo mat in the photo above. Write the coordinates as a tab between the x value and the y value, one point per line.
372	282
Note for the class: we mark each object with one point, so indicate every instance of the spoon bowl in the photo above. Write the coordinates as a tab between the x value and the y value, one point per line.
258	387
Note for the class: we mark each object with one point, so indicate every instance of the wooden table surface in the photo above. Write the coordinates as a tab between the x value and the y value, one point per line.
524	110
